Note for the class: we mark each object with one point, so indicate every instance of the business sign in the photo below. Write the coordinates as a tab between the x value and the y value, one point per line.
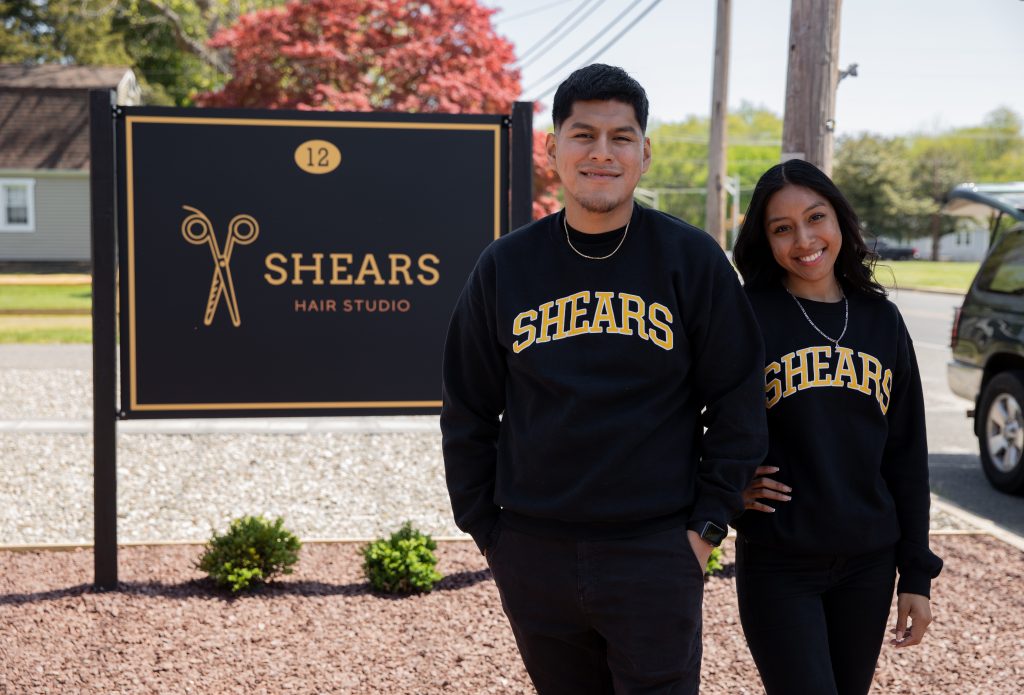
297	262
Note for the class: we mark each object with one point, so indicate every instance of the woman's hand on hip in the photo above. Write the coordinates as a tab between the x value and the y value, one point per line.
918	610
765	488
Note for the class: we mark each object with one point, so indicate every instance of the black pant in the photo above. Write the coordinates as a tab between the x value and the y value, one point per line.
814	623
593	617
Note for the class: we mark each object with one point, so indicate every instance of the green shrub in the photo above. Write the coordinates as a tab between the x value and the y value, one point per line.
252	551
714	562
402	564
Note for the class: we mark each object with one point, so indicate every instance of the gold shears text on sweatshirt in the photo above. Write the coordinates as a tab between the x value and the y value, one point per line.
589	312
812	367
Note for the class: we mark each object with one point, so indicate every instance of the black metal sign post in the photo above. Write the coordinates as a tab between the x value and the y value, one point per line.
522	163
276	263
104	355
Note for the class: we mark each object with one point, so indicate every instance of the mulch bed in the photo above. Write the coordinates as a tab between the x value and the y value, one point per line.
321	630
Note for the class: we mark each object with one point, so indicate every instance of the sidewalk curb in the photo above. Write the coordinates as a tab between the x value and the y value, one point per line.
293	426
983	525
930	290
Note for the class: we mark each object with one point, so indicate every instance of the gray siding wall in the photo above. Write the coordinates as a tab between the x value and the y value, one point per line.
62	219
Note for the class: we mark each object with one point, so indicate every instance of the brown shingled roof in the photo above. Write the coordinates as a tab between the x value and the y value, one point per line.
60	76
44	114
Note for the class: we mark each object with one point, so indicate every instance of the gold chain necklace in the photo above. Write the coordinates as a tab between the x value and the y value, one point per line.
565	224
846	319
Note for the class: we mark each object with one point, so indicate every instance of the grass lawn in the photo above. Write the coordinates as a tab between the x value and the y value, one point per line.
28	298
22	297
29	328
939	275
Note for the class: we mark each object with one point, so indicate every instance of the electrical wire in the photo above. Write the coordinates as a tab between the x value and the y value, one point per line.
608	27
554	30
608	45
554	42
603	48
535	10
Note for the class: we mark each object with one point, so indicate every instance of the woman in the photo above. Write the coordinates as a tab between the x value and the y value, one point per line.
847	456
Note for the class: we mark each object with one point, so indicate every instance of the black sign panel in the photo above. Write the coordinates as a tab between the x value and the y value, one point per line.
279	262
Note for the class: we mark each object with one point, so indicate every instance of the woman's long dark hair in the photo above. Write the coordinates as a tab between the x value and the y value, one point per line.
855	264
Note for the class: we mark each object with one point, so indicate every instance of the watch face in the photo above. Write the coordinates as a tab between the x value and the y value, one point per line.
713	533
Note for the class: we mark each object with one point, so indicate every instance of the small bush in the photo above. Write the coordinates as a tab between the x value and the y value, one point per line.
252	552
402	564
714	562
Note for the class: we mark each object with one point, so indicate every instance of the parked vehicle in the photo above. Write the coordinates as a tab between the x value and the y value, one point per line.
888	251
1000	204
988	359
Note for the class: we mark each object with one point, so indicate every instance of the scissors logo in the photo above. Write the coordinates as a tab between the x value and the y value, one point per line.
243	229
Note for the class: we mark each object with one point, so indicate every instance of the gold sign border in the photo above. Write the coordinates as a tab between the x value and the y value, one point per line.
130	200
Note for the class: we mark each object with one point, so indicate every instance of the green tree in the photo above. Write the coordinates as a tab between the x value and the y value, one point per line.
935	169
679	163
875	175
164	41
59	31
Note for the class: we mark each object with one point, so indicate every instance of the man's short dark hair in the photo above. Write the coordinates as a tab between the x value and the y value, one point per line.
599	82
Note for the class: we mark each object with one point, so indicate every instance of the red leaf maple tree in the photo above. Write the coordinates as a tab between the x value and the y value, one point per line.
416	56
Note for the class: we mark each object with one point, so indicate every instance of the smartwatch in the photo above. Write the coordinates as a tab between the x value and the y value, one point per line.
709	531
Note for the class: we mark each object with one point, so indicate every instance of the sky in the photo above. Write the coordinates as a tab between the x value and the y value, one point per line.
923	66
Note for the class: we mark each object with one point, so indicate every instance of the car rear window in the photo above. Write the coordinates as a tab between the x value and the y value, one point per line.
1003	270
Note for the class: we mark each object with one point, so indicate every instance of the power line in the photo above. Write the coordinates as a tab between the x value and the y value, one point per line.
608	27
535	10
579	20
604	48
554	30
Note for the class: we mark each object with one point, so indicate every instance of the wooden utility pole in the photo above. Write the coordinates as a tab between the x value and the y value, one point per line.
715	216
811	82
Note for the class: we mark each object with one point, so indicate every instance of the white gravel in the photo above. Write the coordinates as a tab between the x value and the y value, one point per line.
328	477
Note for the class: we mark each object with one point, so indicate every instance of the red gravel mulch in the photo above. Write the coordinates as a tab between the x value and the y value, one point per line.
321	630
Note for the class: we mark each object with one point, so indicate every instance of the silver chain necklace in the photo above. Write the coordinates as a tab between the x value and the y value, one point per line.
593	258
846	319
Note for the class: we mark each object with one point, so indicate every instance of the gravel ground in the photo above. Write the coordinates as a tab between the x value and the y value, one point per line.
322	631
180	487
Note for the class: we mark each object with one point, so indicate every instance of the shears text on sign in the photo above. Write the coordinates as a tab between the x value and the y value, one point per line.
197	229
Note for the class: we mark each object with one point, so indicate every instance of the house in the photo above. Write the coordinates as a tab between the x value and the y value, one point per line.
969	243
44	160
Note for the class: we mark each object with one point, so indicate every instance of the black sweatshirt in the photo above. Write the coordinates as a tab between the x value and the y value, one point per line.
573	388
847	431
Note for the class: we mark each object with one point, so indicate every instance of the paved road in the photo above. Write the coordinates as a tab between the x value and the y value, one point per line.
953	462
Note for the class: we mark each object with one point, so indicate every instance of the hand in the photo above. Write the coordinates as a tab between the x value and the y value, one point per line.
701	548
918	609
765	488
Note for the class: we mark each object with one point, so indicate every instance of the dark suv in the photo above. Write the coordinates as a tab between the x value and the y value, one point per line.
988	358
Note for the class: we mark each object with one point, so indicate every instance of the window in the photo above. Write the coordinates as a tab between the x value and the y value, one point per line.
1003	271
17	205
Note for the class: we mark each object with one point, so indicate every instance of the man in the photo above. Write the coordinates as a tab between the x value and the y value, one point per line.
579	358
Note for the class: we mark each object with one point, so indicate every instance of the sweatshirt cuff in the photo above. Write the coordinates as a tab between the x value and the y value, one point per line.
715	509
917	567
914	583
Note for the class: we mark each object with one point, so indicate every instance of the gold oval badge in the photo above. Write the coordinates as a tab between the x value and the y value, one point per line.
317	156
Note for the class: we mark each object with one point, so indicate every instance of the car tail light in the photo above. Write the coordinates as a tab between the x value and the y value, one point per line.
956	327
